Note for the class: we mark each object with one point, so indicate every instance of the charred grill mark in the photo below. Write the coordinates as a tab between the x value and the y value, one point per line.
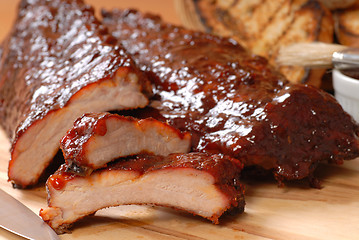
347	31
342	28
271	44
319	13
203	19
225	18
270	18
244	34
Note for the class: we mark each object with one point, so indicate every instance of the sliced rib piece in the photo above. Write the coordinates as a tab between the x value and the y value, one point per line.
98	138
232	101
202	184
58	63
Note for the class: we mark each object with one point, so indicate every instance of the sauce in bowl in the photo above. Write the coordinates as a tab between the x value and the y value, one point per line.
351	72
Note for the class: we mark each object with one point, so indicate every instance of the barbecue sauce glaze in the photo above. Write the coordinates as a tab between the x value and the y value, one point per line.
224	170
232	101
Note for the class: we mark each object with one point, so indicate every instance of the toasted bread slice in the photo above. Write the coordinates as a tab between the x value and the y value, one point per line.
347	25
338	4
264	26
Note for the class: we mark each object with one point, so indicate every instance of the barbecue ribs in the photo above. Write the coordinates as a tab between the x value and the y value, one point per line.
232	101
199	183
98	138
57	63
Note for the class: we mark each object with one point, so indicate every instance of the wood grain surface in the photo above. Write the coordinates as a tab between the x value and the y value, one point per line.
291	212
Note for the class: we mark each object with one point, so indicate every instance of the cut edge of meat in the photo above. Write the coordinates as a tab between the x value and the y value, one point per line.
122	91
194	193
203	184
98	138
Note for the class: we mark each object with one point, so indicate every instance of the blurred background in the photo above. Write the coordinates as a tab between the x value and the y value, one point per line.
165	8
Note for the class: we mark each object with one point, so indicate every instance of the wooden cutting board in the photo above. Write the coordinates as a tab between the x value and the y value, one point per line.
292	212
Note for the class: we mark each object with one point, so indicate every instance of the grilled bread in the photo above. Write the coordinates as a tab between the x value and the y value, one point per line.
347	25
263	26
338	4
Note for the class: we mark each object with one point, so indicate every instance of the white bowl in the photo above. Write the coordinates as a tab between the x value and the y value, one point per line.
346	91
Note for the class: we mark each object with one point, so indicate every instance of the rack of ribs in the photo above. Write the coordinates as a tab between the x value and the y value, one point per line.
98	138
199	183
57	63
232	101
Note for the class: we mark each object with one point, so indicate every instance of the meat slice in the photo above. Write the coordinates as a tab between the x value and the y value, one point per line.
57	63
199	183
232	101
98	138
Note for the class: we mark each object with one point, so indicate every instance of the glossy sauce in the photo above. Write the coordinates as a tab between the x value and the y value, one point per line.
55	49
352	72
60	178
73	144
225	170
232	101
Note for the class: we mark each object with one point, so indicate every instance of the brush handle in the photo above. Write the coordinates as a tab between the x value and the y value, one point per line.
348	58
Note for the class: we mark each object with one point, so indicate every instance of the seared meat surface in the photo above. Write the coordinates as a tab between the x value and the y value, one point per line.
98	138
57	63
232	101
199	183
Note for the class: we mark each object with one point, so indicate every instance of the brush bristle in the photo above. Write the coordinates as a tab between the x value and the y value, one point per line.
314	55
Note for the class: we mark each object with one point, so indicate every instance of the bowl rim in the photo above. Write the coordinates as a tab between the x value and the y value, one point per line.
345	85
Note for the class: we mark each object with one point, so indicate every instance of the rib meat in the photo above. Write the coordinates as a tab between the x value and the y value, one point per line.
57	63
98	138
202	184
232	101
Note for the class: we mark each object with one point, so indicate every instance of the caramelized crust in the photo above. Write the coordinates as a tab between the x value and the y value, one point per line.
98	138
199	183
233	102
57	61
